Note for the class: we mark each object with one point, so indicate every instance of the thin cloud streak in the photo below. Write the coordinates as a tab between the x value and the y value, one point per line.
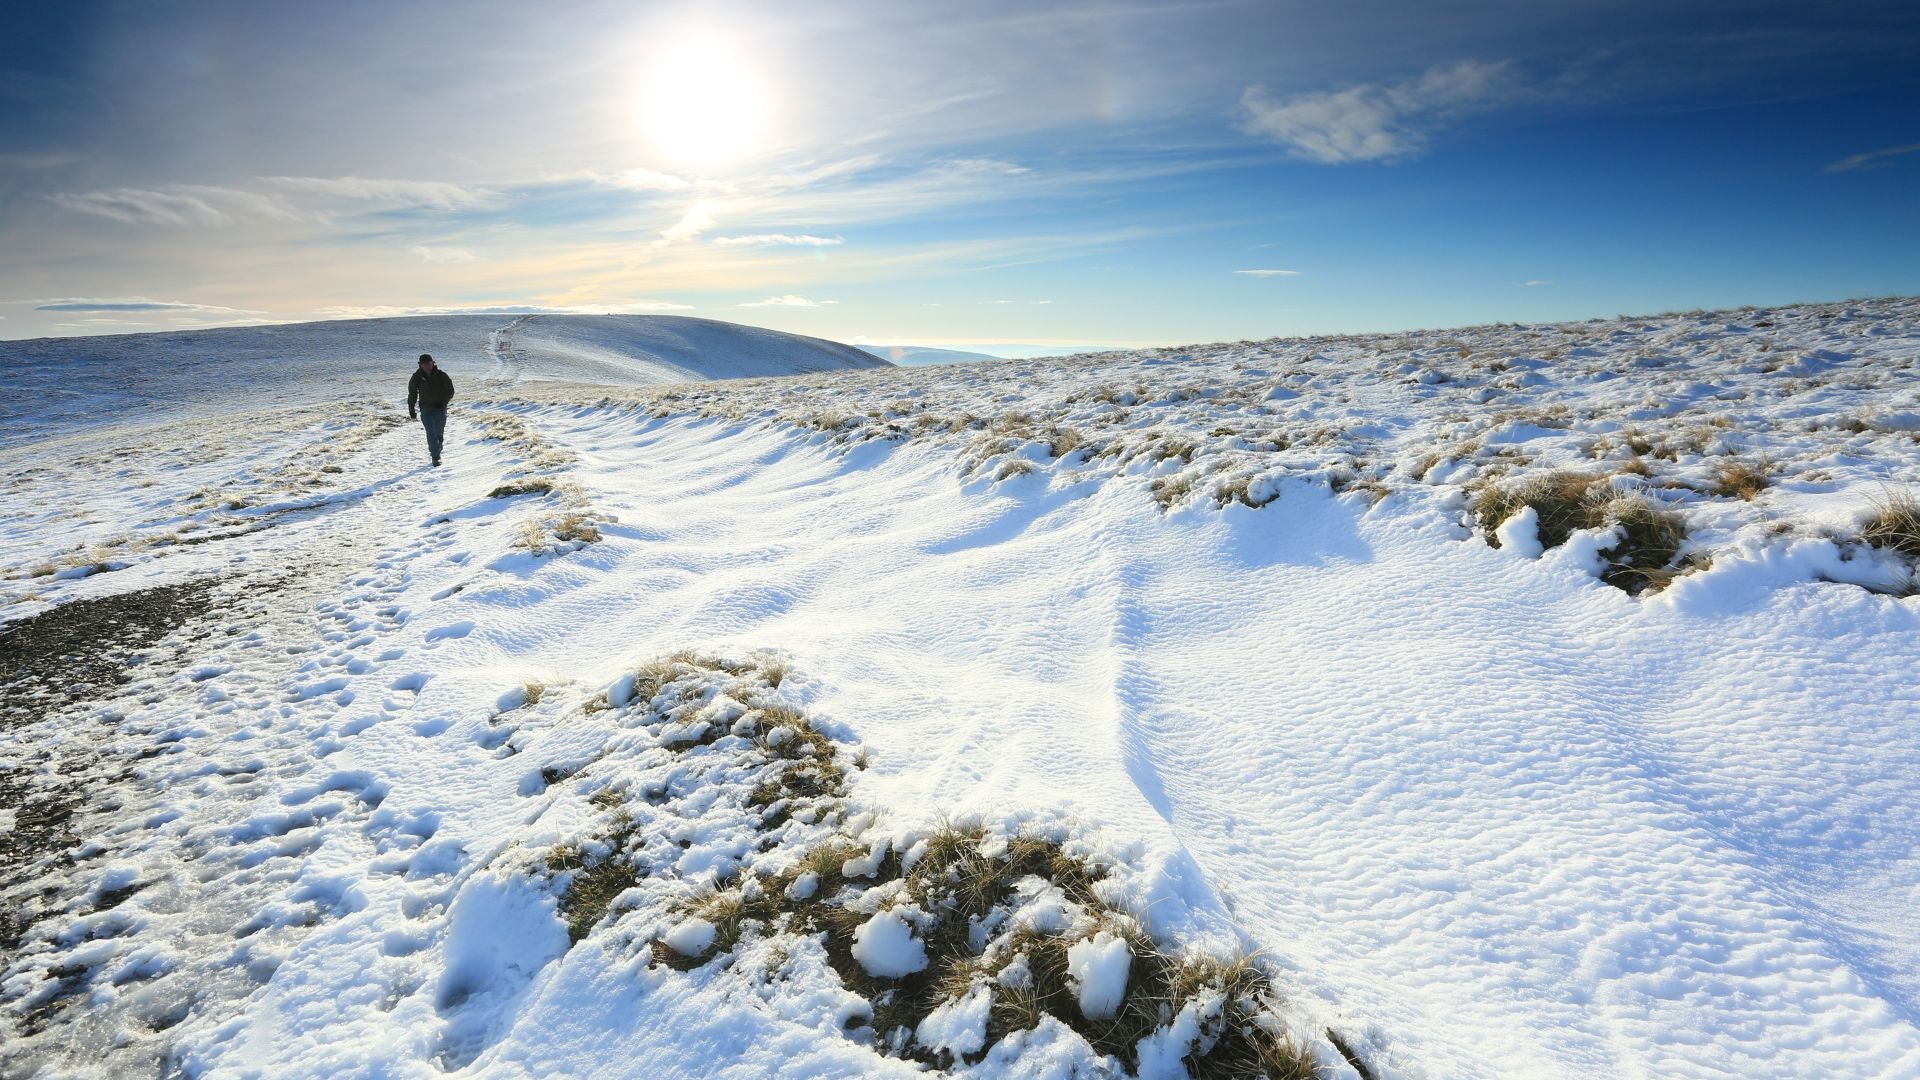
788	301
1872	159
778	240
178	205
131	303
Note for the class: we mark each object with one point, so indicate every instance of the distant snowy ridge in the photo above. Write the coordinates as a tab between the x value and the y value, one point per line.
917	355
60	384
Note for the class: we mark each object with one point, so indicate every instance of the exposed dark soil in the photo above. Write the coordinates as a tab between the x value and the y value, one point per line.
56	661
71	652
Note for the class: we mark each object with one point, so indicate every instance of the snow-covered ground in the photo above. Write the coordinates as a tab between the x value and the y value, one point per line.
1221	621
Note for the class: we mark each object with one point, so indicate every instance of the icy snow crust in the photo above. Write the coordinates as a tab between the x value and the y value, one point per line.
1480	813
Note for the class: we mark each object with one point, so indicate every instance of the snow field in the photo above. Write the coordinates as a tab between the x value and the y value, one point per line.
374	883
1212	614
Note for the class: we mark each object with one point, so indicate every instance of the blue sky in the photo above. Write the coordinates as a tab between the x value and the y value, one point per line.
954	175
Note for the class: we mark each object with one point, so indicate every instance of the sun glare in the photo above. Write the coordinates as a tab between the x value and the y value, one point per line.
704	104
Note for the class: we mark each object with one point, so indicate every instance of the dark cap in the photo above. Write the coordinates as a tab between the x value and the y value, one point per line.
425	358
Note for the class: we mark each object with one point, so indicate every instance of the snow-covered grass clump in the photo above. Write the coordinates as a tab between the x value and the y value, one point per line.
731	838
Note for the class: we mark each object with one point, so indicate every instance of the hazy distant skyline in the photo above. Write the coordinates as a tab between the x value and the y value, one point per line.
1106	174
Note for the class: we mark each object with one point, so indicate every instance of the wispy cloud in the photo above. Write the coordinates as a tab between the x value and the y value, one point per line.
132	303
698	219
630	180
788	301
1379	121
1534	283
1872	159
288	199
429	254
778	240
428	194
1269	273
986	165
178	204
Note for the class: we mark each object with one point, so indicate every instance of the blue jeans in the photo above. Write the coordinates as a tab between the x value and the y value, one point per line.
435	421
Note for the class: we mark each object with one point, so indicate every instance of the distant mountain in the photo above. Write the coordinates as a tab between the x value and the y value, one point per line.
59	384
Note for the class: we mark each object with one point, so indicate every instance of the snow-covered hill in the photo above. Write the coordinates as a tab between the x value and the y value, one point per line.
1523	701
58	385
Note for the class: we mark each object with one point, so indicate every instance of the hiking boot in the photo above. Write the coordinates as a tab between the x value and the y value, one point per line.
436	461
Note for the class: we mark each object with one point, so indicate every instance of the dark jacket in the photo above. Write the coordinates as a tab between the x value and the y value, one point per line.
432	389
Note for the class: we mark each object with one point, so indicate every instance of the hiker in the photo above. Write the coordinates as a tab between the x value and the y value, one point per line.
432	389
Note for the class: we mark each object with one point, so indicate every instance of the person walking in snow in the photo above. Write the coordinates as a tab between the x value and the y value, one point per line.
431	389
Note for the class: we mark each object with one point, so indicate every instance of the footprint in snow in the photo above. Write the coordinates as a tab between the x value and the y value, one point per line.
451	630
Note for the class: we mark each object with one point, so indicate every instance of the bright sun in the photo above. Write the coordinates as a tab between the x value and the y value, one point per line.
704	104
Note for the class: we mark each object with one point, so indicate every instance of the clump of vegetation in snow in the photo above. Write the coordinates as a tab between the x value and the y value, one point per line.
1894	523
1741	480
1647	542
570	522
526	485
595	879
955	938
1000	928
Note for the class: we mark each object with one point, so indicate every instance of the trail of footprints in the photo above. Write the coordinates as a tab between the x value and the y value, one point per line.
194	910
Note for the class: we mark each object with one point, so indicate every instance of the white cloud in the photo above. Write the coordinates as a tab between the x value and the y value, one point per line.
628	307
177	204
1534	283
636	180
1269	273
778	240
431	194
1872	159
986	165
788	301
698	219
293	198
1378	121
442	254
130	303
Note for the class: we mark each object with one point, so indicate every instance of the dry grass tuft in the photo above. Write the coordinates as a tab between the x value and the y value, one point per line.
1568	502
593	885
1894	523
526	485
1742	480
1169	490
